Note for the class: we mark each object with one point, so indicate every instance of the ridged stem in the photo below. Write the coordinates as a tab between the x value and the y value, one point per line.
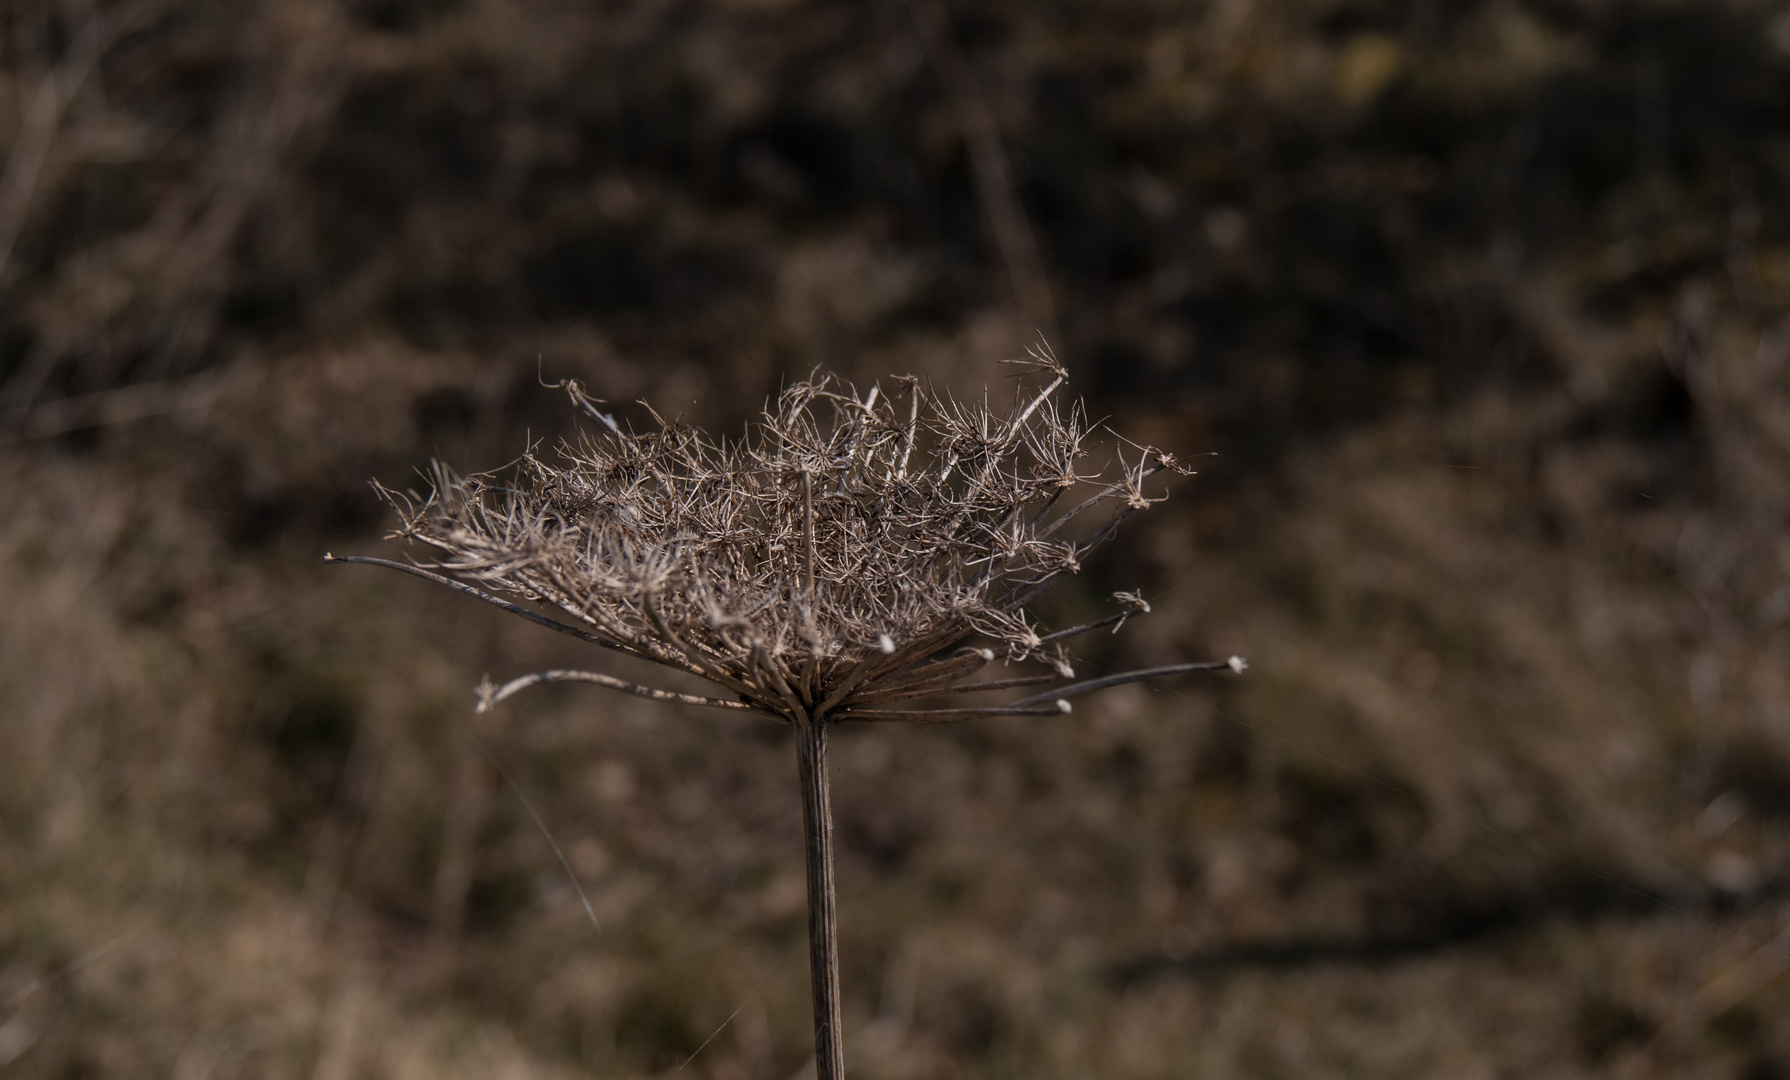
823	918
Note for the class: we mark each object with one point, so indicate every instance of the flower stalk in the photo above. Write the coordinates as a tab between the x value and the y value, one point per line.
852	559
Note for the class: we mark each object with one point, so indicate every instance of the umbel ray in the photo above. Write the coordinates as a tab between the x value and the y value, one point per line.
853	558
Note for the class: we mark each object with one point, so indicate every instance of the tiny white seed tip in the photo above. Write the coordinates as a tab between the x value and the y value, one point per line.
1063	706
886	643
987	655
1238	664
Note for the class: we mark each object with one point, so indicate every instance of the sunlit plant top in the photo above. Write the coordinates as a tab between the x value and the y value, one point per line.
852	556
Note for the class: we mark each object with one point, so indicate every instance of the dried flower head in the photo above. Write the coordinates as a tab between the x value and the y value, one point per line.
852	551
851	554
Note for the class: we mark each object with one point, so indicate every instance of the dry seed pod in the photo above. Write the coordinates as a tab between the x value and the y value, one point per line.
851	555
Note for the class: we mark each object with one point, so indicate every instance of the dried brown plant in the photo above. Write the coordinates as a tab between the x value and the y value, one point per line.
851	556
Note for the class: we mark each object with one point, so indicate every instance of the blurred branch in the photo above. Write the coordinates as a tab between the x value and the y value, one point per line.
43	116
173	271
988	161
257	137
111	407
1734	986
76	964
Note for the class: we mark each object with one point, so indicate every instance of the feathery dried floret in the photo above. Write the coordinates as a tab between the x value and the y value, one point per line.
840	556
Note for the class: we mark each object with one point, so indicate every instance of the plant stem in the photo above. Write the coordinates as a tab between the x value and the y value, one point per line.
823	918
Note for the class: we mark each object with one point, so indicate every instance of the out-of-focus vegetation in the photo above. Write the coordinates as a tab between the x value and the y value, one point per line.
1482	304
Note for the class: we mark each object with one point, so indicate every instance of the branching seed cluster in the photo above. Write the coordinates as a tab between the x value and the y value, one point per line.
851	554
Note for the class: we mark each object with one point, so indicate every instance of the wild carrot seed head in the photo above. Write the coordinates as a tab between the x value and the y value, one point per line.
809	566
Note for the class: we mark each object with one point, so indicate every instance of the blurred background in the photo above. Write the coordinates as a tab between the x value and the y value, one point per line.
1480	305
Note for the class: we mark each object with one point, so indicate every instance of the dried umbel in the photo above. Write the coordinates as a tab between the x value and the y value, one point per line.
853	558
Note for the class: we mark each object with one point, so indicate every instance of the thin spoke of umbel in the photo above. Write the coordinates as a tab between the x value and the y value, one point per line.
823	919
